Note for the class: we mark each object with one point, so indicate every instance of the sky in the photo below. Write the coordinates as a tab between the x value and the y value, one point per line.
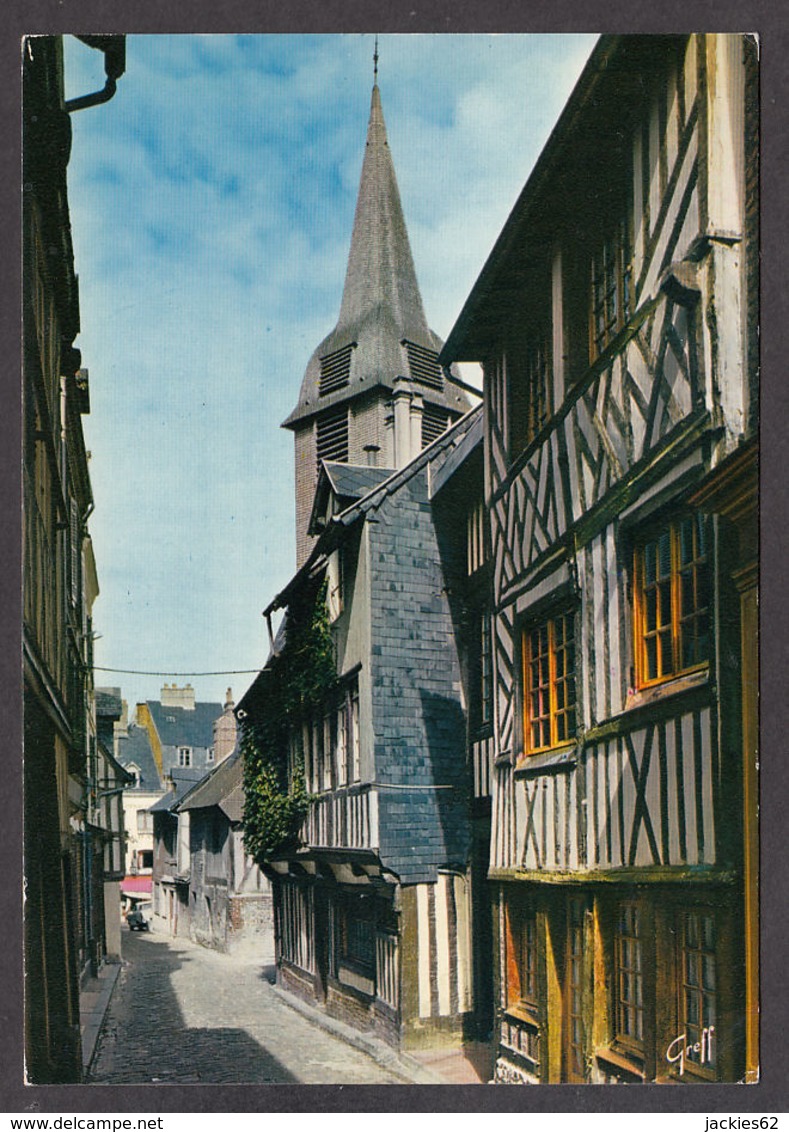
212	204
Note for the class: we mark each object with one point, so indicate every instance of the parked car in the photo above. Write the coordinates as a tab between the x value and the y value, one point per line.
139	918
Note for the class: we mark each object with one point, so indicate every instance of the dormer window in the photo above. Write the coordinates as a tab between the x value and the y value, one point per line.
184	756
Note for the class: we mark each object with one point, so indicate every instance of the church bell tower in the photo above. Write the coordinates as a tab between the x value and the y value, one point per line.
373	392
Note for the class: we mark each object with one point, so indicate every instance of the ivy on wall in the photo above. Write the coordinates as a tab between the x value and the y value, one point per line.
295	684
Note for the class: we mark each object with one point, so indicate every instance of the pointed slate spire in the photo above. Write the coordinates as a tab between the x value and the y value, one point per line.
373	392
381	302
381	279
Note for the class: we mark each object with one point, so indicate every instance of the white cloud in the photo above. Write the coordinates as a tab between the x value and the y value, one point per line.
212	201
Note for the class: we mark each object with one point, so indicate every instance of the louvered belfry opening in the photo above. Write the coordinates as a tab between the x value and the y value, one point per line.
335	369
434	422
423	364
332	435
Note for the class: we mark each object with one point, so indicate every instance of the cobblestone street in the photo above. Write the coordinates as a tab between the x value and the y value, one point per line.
184	1014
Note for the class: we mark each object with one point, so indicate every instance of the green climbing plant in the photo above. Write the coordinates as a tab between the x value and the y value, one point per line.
298	682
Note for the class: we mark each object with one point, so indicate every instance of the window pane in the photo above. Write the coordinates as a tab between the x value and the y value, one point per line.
686	542
665	603
650	563
550	696
629	979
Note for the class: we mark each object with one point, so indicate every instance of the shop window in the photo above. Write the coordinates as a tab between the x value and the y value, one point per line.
549	684
629	959
574	1029
357	935
523	958
698	991
672	597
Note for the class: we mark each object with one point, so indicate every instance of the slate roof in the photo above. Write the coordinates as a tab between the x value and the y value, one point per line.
351	481
184	778
182	727
109	702
223	787
135	747
348	482
442	447
472	438
381	305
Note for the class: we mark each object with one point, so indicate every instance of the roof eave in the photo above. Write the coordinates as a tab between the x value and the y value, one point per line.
465	343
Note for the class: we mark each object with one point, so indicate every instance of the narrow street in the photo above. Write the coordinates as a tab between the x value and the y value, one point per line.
184	1014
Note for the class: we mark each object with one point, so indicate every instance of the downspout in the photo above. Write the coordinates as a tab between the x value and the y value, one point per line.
114	48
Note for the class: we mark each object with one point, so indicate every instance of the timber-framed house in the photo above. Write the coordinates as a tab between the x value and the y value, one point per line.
616	322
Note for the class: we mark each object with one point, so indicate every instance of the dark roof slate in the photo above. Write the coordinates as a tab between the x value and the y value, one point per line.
135	747
184	727
222	787
183	778
435	453
108	702
348	482
351	481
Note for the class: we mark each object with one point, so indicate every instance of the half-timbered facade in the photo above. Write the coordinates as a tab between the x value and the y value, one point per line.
615	319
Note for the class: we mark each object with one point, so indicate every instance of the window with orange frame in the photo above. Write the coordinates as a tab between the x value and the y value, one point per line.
672	600
549	684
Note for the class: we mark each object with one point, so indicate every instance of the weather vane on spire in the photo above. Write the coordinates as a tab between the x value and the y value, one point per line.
375	60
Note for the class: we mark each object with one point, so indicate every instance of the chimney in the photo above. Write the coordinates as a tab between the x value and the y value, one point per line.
225	730
173	696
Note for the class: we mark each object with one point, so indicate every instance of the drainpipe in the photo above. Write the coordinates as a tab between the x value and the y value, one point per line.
114	48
